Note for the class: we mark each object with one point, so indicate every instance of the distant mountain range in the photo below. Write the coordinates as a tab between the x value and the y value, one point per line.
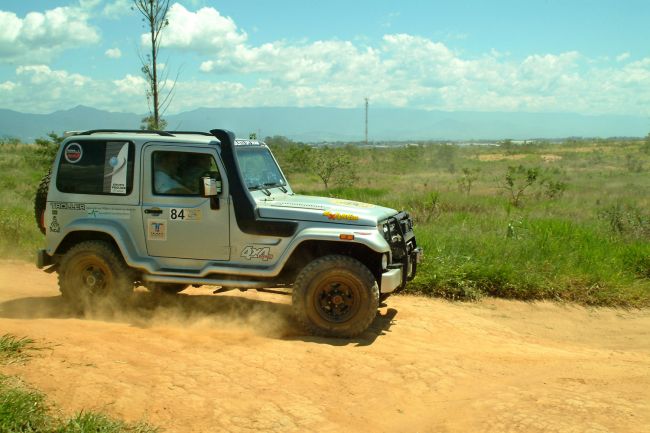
317	124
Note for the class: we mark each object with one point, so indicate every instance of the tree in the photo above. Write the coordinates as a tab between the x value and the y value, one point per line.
517	180
465	182
46	149
154	14
329	163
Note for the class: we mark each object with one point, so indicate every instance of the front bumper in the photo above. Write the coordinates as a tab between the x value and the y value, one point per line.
391	280
395	278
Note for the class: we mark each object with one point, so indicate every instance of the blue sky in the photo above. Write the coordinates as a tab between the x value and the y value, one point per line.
588	57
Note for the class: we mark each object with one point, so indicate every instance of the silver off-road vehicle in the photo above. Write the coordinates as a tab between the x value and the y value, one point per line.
173	209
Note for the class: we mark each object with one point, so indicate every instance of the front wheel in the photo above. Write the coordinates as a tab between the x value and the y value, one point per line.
93	270
335	296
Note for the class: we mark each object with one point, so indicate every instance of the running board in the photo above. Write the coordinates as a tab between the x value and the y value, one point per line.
236	284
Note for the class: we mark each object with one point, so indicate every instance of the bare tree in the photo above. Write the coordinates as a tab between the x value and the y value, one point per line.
154	14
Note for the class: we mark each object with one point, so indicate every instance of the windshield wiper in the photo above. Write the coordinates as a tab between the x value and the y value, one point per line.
262	188
276	185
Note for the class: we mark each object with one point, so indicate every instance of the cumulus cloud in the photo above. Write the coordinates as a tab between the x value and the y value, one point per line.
117	9
40	36
622	57
205	31
403	70
400	70
113	53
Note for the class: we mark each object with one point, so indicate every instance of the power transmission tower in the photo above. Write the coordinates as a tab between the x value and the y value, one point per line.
366	121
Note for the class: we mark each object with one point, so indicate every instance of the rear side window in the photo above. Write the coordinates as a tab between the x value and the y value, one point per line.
96	167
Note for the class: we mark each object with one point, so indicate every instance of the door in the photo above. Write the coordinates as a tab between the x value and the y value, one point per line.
178	221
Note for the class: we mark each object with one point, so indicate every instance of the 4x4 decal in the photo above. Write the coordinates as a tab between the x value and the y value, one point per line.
250	252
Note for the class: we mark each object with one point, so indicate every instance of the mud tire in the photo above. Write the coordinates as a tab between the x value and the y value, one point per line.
92	271
335	296
40	200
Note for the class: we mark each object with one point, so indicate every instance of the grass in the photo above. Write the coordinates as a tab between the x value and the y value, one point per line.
13	348
25	410
580	233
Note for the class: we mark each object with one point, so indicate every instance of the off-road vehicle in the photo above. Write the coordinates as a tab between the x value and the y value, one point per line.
171	209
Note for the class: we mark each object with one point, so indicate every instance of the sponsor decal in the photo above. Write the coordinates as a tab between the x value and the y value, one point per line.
185	214
340	216
73	153
156	230
351	203
68	206
115	167
54	225
106	212
250	252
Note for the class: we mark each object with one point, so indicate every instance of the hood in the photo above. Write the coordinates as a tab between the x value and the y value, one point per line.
322	209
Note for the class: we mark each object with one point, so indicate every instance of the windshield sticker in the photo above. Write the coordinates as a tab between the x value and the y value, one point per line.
351	203
157	230
115	166
73	153
250	252
340	216
185	214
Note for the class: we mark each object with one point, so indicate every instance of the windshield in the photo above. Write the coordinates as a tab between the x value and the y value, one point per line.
259	168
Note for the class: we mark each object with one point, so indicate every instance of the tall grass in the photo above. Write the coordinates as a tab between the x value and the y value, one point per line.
580	232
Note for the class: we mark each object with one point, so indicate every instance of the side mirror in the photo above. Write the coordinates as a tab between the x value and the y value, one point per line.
211	187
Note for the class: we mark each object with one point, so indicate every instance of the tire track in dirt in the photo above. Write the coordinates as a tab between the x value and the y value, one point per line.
200	363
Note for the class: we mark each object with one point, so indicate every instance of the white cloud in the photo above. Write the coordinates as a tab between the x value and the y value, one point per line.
401	70
622	57
113	53
8	86
40	36
131	85
117	9
205	30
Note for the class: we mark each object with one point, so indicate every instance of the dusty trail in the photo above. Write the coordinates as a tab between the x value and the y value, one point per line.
202	363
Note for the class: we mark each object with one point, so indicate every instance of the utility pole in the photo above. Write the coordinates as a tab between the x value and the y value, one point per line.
366	121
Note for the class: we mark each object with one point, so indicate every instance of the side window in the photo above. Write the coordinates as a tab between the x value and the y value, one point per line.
180	173
96	167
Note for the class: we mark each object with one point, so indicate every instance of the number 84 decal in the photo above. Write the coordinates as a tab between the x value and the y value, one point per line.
250	252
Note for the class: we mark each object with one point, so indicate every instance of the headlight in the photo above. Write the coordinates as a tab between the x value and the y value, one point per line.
384	261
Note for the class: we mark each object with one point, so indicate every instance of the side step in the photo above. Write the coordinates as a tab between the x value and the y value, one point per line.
235	284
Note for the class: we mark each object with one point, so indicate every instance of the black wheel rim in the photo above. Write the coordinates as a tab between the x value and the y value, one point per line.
337	299
92	276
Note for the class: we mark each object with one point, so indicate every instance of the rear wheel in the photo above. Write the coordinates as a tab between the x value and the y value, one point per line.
335	296
93	270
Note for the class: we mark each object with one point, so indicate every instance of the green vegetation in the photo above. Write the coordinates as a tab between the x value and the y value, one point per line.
24	410
566	221
13	348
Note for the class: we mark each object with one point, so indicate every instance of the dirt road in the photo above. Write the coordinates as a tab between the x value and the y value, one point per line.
206	363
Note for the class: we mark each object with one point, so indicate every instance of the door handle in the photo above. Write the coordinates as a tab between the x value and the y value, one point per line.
154	211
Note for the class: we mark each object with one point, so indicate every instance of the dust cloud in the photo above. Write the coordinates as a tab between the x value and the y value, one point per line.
235	362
